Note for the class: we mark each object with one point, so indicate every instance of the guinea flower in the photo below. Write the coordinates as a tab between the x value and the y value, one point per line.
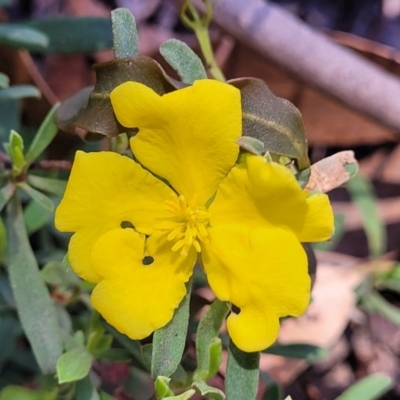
140	226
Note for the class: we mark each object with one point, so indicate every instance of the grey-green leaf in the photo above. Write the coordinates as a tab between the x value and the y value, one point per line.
17	92
49	185
73	365
207	338
242	374
208	391
274	121
22	37
75	35
183	60
43	137
301	351
39	197
370	388
169	342
35	216
35	308
125	36
5	194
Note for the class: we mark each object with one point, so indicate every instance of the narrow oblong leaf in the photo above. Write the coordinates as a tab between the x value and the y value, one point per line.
242	374
274	121
17	92
47	130
183	60
370	388
207	334
39	197
35	216
35	308
301	351
169	342
363	196
49	185
74	34
73	365
5	194
373	301
108	76
125	36
22	37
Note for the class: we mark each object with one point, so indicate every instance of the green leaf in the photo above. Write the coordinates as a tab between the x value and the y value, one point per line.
108	76
73	365
303	177
35	308
373	301
183	60
16	152
208	391
184	396
22	37
362	194
161	386
5	194
10	111
19	393
251	145
125	37
75	35
69	109
301	351
39	197
4	81
35	216
169	342
84	390
49	185
370	388
53	273
274	121
43	137
274	389
208	345
242	374
133	346
17	92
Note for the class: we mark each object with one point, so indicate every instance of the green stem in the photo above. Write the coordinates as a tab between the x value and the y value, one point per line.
191	18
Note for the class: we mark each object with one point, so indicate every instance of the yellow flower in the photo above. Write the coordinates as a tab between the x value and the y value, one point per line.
139	240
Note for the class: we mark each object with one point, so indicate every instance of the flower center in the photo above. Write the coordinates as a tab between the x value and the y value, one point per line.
188	225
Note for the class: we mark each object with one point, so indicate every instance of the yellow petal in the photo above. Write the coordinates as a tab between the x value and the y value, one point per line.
261	271
262	194
135	298
104	190
319	220
188	136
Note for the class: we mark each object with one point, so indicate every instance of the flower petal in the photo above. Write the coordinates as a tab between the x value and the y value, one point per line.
187	136
262	194
319	221
261	271
104	190
136	298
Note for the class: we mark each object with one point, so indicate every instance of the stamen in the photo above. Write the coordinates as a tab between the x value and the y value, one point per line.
188	226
